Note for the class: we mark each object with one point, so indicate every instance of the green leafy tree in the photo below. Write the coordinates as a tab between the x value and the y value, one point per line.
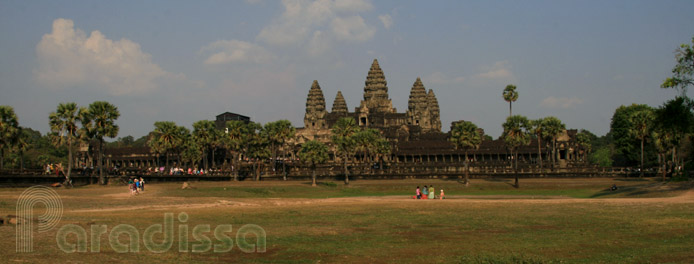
583	144
191	152
9	129
466	135
383	149
538	130
276	134
626	146
683	72
103	116
313	153
342	138
673	120
517	133
63	123
256	147
510	95
553	127
365	142
23	144
642	122
165	138
204	135
234	141
663	140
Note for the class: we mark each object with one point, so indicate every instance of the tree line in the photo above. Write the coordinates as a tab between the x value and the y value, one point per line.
639	135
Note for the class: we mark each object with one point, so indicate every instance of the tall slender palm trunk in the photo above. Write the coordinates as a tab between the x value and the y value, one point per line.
344	163
641	171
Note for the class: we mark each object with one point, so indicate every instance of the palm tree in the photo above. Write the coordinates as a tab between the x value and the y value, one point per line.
234	142
9	129
517	133
313	153
465	135
164	139
22	145
538	129
342	133
192	152
382	149
641	121
663	141
256	146
553	127
365	142
63	123
510	96
103	117
204	137
583	142
276	133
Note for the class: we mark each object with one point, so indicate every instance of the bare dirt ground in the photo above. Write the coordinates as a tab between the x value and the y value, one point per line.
199	202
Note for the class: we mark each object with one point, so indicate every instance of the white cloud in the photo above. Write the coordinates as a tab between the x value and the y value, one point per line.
440	78
235	51
387	20
561	102
319	44
500	70
67	57
352	5
301	19
352	29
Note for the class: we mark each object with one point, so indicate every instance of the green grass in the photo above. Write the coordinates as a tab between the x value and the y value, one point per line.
305	229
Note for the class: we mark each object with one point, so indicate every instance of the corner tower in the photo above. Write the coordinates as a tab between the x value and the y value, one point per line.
418	106
315	108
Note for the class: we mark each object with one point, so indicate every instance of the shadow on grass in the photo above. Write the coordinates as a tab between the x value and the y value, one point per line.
651	189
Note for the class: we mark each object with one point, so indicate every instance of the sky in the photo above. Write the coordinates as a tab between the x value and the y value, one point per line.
185	61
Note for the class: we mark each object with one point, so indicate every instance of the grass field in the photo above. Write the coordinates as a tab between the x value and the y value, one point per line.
545	221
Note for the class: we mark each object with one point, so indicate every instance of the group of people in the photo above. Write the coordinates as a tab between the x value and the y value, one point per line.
428	193
180	171
136	185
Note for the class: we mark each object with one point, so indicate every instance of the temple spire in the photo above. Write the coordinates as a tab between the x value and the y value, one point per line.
315	108
376	90
434	111
339	105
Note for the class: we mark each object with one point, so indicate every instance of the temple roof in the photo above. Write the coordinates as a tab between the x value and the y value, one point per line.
339	105
315	101
376	90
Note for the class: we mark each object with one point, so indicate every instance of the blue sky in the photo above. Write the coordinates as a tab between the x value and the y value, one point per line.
185	61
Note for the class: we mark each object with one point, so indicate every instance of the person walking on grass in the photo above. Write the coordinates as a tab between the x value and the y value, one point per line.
441	195
425	192
142	184
418	193
130	185
432	192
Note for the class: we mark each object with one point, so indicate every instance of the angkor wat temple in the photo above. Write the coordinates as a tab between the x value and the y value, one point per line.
415	135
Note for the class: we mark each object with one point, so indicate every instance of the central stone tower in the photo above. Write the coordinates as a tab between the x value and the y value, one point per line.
376	98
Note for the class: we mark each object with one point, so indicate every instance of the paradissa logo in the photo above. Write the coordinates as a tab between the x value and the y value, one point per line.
73	238
201	234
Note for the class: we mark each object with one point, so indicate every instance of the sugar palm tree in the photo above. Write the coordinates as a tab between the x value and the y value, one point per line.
517	133
465	135
9	129
164	139
583	143
342	133
510	96
663	140
256	146
553	127
22	144
276	133
641	121
63	122
313	153
538	129
204	137
234	142
103	116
